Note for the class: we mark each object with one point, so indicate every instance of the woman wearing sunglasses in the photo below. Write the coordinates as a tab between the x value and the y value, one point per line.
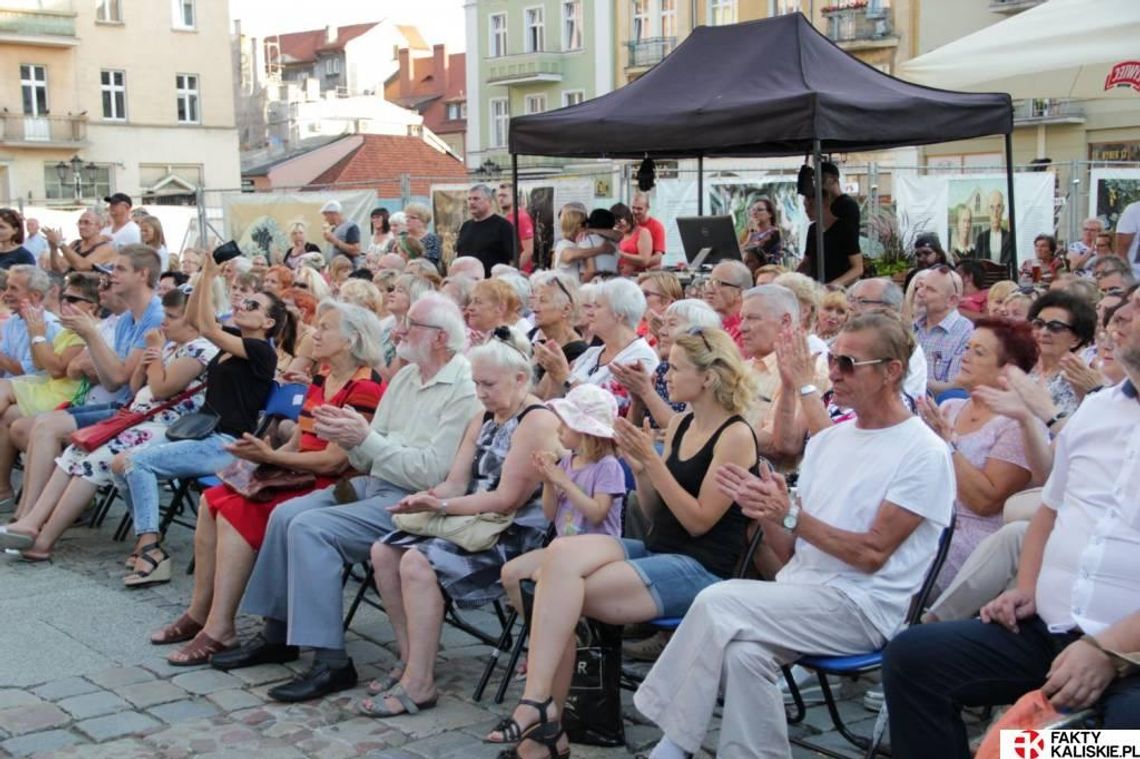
1062	324
239	380
174	360
28	395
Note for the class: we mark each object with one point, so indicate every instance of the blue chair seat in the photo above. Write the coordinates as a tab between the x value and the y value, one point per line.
209	482
843	665
666	623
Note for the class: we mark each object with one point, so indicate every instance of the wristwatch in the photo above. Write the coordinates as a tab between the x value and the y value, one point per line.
39	339
808	389
792	518
443	507
1056	418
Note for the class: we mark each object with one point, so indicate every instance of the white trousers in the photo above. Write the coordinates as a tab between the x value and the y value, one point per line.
739	633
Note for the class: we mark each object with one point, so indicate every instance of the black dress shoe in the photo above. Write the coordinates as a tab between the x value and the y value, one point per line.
319	681
256	650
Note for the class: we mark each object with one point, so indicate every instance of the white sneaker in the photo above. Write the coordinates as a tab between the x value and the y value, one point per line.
806	682
873	699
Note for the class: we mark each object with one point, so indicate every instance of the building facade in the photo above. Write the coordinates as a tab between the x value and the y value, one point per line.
130	96
435	87
531	56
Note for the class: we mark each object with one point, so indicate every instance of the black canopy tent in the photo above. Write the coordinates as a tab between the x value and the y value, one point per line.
773	87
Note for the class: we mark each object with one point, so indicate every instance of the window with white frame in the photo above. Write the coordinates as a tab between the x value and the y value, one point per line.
572	97
641	23
109	11
332	66
113	86
497	46
456	111
668	18
572	25
722	12
186	86
500	121
784	7
535	104
33	89
535	30
185	14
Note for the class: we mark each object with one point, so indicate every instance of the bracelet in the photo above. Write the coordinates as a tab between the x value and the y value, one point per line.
443	507
1056	418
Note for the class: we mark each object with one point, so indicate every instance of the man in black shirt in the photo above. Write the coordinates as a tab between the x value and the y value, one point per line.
486	235
842	260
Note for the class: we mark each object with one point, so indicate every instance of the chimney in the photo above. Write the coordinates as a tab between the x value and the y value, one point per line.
439	68
330	34
405	72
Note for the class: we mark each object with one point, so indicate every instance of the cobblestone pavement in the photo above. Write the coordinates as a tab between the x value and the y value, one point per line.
79	678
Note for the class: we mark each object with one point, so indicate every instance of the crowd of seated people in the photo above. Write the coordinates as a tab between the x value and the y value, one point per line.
653	421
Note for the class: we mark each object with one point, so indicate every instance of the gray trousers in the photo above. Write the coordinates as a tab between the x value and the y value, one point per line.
297	576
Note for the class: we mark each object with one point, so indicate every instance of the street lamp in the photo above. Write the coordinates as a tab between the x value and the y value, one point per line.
489	168
78	173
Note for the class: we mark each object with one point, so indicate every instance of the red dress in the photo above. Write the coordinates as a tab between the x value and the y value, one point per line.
250	518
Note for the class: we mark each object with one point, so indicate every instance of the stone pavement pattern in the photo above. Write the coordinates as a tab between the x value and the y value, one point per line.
79	678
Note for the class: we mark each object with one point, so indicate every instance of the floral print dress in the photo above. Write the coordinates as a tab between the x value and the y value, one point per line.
95	467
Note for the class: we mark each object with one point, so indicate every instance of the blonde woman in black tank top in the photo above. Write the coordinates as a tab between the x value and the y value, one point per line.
695	536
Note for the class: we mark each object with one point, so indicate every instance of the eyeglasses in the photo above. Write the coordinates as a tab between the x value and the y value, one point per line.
651	294
722	283
409	323
76	299
301	285
1053	326
861	302
700	332
848	364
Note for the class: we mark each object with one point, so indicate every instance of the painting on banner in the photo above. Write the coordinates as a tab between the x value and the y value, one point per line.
970	214
735	199
1112	191
261	222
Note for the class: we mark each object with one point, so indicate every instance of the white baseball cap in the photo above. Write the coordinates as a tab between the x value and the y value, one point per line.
587	409
332	206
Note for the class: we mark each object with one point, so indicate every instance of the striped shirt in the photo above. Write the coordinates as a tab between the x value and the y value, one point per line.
944	344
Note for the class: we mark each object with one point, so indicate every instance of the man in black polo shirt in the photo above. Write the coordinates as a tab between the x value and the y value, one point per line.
842	259
486	235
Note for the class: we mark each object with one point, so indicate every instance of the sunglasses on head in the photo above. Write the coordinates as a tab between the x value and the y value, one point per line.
848	364
1053	326
700	332
503	335
562	287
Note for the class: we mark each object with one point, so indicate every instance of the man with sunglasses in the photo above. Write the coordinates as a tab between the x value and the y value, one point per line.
853	548
941	330
1112	273
1074	609
408	447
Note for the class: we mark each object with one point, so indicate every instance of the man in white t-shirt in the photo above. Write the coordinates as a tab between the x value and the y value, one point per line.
1076	601
1127	243
122	230
876	495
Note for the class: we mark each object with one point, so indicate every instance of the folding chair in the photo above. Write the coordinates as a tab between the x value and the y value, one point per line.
860	664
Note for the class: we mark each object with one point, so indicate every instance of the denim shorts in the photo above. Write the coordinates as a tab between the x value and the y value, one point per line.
92	413
673	579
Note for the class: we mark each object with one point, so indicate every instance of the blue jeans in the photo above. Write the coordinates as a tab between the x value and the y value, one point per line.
163	461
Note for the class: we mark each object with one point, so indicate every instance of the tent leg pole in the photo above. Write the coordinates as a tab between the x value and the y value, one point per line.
1012	263
700	185
515	189
817	159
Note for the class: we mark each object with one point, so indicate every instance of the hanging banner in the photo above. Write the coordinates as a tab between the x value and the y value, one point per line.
1111	190
970	213
734	197
261	222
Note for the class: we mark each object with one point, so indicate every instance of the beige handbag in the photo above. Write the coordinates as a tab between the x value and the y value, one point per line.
472	533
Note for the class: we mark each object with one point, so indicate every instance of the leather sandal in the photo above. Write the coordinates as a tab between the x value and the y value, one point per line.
546	734
158	572
510	729
180	630
389	681
374	707
198	651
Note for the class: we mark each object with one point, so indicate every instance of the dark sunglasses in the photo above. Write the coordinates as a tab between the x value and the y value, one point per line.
249	304
848	364
301	285
1053	326
76	299
700	332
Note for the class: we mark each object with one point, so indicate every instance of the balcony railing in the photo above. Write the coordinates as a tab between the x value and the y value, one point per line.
38	18
1047	111
648	52
44	131
1012	6
525	68
859	24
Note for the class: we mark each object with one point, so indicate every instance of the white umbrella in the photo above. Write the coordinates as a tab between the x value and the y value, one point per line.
1079	49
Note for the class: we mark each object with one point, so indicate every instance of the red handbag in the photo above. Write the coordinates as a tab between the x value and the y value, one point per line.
98	434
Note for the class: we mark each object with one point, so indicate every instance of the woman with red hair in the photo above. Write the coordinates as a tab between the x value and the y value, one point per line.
988	449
